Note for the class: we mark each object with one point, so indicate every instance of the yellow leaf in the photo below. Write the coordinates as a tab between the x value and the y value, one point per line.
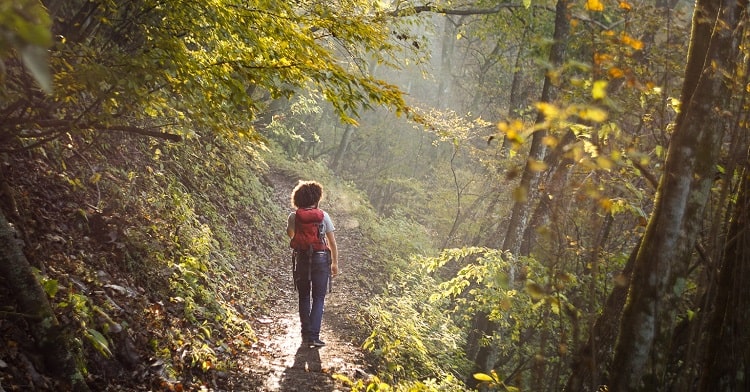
600	58
594	5
593	114
550	141
513	136
95	178
604	162
675	103
513	131
550	111
615	72
599	91
483	377
630	41
554	304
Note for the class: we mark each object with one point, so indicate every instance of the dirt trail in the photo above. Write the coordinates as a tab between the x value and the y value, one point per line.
282	363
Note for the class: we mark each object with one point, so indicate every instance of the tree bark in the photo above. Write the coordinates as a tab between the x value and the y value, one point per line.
664	255
49	336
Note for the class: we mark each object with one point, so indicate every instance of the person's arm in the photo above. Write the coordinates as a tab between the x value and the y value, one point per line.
334	253
290	225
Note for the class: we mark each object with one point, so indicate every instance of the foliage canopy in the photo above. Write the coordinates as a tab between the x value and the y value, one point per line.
156	67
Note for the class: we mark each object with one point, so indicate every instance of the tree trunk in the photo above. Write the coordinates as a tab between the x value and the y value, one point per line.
517	100
49	336
664	255
594	358
343	147
448	45
554	180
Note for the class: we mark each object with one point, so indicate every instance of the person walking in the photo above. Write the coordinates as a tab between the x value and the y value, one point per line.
315	257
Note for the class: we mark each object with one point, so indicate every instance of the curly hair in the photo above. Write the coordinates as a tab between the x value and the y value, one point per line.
307	194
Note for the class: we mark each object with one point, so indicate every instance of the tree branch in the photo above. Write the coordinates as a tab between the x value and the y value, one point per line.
647	174
489	11
140	131
440	10
56	127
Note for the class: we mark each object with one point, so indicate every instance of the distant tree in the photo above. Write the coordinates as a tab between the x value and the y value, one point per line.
526	193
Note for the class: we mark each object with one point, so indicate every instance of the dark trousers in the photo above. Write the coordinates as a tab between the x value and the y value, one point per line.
311	278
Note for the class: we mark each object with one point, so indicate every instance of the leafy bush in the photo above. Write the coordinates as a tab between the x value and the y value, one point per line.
421	322
529	304
412	336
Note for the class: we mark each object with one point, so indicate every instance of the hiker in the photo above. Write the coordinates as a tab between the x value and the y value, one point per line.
315	257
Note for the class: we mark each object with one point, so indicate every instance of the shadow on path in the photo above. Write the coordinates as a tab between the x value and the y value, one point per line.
286	365
306	372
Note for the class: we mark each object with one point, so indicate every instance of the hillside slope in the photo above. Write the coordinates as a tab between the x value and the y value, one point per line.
168	267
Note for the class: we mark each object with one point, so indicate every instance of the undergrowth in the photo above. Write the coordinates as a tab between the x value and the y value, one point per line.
143	243
171	248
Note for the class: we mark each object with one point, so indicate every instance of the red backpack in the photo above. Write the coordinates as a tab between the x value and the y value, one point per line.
309	231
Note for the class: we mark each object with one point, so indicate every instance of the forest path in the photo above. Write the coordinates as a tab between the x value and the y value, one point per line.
281	363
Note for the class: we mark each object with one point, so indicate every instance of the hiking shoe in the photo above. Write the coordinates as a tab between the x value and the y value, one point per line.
317	343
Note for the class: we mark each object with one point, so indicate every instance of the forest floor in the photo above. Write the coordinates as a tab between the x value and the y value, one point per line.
278	361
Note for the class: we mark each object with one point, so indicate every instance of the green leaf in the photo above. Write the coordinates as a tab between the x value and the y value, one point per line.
50	287
99	342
